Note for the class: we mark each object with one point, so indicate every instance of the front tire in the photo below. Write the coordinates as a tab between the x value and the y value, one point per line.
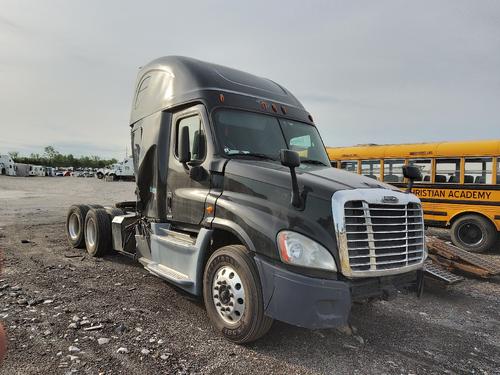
233	295
98	232
473	233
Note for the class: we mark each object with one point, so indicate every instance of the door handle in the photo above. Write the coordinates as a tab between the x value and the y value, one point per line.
169	200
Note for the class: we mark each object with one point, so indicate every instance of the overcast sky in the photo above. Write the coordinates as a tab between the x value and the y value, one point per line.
368	71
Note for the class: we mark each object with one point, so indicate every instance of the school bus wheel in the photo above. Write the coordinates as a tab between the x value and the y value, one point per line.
473	233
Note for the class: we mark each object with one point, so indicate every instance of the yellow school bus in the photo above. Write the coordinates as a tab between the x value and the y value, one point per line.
460	186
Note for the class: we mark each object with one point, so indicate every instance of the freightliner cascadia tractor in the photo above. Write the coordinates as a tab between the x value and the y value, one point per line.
237	203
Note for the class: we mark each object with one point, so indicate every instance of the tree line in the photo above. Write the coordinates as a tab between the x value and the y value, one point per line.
52	158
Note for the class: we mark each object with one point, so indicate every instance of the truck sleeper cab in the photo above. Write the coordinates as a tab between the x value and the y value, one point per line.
237	202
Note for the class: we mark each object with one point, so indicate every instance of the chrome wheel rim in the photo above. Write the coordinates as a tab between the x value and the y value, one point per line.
228	294
74	226
90	232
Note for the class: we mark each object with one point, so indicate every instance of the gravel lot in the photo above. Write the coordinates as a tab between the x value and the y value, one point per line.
51	294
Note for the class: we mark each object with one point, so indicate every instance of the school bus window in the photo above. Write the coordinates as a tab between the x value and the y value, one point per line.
393	170
349	165
447	170
478	171
334	164
425	166
371	168
498	171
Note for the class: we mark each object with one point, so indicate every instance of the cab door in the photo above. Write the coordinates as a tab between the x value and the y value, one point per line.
186	190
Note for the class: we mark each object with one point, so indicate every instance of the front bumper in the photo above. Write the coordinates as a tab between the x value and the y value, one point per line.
301	300
316	303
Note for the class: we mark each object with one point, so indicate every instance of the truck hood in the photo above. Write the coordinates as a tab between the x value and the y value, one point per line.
315	178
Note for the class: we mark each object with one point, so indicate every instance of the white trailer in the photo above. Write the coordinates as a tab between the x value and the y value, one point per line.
22	170
7	166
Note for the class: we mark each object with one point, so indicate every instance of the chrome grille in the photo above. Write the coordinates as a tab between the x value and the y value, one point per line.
383	236
375	237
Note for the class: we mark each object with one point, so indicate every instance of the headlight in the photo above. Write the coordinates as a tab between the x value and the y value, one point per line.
299	250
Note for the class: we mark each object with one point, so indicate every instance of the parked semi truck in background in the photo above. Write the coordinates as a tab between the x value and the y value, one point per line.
237	202
123	170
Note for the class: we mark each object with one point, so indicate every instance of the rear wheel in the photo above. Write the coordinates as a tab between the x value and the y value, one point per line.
233	295
75	221
473	233
98	232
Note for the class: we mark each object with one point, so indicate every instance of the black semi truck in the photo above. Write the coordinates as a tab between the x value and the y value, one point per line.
237	203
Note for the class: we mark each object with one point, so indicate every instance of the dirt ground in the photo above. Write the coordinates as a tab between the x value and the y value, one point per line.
50	295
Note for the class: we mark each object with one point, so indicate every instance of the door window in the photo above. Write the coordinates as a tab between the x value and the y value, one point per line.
197	140
478	171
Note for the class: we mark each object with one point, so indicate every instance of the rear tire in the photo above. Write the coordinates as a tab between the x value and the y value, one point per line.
233	295
98	232
99	175
75	223
473	233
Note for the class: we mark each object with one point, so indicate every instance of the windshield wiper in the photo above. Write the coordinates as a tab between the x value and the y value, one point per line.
253	154
311	161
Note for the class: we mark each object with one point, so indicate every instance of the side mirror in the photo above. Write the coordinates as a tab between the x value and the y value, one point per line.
289	158
184	154
411	172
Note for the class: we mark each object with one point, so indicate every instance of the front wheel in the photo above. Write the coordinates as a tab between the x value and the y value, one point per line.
233	295
473	233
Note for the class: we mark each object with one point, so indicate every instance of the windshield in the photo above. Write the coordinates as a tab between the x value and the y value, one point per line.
247	134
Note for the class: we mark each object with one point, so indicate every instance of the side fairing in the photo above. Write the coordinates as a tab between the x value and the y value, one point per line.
150	140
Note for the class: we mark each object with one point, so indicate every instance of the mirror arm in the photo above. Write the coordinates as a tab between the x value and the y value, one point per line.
297	201
410	186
